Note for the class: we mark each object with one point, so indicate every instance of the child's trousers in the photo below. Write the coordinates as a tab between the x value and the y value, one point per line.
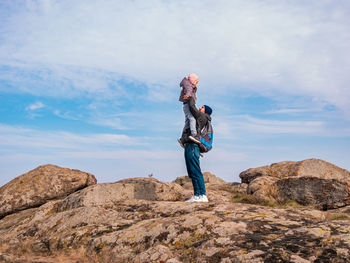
190	121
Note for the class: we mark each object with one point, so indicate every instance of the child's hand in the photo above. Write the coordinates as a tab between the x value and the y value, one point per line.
186	97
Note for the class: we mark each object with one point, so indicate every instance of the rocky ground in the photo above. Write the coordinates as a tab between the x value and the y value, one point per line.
144	220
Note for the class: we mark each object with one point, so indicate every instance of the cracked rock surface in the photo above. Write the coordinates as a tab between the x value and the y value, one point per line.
119	222
310	182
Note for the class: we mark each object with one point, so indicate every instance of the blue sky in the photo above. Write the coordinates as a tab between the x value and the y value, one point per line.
94	85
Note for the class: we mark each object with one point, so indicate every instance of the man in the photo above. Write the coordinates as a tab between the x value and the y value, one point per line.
192	151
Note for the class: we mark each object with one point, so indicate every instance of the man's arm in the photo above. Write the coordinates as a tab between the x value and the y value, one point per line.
195	112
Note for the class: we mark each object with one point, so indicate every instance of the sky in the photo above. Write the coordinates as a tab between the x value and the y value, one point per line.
94	85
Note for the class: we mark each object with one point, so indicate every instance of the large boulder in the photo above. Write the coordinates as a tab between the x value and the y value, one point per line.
279	170
109	194
309	182
152	189
209	180
44	183
263	189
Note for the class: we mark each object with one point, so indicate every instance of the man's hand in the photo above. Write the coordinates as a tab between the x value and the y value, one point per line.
186	97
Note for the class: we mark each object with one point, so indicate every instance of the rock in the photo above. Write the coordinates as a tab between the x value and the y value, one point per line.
113	222
168	231
98	195
309	182
108	194
263	188
152	189
209	179
279	170
36	187
237	187
217	189
159	253
322	193
307	168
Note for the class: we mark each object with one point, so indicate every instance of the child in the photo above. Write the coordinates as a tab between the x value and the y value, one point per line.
189	89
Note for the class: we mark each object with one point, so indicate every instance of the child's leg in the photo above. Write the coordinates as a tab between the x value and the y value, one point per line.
193	124
187	124
190	121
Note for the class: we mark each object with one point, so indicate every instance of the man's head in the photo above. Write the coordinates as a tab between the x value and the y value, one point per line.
206	109
193	78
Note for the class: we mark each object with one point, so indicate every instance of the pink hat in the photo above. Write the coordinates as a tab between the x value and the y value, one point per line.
192	78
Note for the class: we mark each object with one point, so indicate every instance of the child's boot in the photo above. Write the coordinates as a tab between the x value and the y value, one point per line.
180	142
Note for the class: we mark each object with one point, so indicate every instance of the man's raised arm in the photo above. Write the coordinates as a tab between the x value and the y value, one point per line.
195	112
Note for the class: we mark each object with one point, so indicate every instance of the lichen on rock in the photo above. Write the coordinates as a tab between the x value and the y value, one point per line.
310	182
40	185
146	220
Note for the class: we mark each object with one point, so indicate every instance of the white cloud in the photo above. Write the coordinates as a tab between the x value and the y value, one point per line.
234	127
35	106
109	156
116	51
115	156
67	115
269	47
14	137
292	111
277	127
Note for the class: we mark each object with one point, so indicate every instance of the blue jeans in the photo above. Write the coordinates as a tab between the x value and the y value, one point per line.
193	168
190	121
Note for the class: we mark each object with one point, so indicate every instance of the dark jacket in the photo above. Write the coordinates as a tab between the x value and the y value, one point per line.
187	89
201	120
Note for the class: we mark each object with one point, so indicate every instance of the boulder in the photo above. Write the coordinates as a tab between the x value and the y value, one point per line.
152	189
209	180
108	194
237	187
36	187
310	182
279	170
263	189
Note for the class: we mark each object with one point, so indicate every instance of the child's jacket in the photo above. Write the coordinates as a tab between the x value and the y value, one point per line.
188	89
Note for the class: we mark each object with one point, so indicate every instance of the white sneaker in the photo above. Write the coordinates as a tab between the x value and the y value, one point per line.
203	198
194	198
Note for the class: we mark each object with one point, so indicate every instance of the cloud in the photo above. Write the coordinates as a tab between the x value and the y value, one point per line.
239	126
117	65
35	106
113	121
279	127
66	115
291	111
109	156
24	139
272	48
